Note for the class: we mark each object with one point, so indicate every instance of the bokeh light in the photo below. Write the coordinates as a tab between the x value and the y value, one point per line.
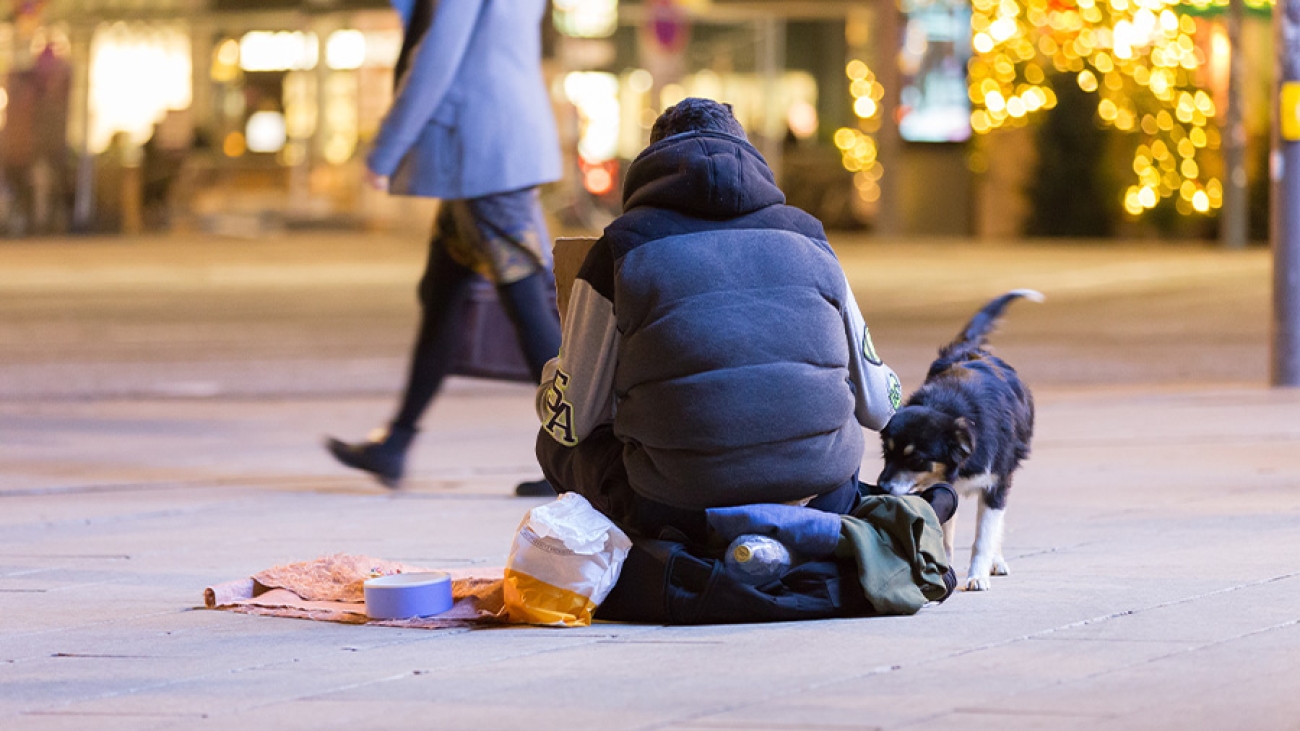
1142	61
857	145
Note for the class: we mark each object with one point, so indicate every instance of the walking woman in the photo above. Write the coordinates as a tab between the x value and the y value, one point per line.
470	124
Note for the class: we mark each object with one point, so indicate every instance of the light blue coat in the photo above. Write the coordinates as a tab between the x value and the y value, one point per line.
471	117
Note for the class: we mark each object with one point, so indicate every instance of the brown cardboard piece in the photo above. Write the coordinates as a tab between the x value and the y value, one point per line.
330	589
569	253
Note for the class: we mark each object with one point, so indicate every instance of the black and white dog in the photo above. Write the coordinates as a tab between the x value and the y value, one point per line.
970	425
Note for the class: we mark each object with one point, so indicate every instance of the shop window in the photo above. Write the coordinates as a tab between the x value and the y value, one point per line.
138	71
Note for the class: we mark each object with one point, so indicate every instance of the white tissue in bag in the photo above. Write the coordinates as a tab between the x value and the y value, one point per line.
565	559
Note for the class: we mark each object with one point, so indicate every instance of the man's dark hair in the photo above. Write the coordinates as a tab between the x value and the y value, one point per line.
695	114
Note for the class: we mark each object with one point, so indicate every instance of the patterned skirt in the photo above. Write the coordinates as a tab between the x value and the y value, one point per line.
501	237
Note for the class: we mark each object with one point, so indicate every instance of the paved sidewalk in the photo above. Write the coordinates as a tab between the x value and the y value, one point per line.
161	407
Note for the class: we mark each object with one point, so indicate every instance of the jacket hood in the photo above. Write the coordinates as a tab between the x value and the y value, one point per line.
704	174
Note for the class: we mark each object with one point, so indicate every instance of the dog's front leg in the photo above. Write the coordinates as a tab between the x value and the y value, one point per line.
986	553
949	536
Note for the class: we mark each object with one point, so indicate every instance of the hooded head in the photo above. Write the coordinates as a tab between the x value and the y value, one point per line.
694	114
700	163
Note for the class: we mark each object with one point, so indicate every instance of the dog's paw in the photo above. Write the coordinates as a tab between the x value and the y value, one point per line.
978	583
1000	567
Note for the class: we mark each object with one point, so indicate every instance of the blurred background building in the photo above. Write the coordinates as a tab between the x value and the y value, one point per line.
987	118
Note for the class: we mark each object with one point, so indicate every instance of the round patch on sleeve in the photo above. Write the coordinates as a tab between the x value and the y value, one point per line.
895	391
869	348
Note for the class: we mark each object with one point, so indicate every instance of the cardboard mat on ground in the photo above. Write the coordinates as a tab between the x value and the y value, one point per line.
330	589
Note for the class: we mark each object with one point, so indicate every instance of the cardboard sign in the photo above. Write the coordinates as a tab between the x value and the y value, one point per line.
569	255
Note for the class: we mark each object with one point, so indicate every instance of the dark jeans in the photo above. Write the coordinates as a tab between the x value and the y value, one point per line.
594	469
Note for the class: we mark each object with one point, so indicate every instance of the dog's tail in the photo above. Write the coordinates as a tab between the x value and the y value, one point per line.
977	331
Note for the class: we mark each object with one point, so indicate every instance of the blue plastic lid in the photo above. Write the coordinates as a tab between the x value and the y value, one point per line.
406	596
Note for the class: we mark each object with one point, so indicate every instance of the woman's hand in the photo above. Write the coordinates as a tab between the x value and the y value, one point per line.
376	181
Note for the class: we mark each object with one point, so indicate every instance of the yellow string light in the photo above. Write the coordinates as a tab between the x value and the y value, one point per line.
1138	56
857	145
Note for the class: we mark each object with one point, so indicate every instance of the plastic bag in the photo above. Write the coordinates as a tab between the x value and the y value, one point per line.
564	561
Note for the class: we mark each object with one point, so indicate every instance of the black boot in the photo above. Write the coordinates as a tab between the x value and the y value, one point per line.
383	457
943	499
949	584
535	488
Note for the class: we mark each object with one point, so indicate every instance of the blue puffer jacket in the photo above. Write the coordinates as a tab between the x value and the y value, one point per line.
732	377
718	322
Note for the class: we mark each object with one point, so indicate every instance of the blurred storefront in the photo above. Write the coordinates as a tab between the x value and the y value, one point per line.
234	114
291	97
223	114
782	66
239	115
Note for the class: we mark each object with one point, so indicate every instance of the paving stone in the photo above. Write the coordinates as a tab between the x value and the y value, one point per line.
161	411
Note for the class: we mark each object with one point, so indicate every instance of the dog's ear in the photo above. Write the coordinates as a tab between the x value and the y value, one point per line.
963	440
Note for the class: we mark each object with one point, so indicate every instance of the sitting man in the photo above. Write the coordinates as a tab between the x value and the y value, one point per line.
713	354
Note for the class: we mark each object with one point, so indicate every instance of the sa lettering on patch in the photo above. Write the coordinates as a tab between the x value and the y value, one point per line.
560	425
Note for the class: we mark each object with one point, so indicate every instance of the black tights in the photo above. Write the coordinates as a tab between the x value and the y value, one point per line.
443	293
